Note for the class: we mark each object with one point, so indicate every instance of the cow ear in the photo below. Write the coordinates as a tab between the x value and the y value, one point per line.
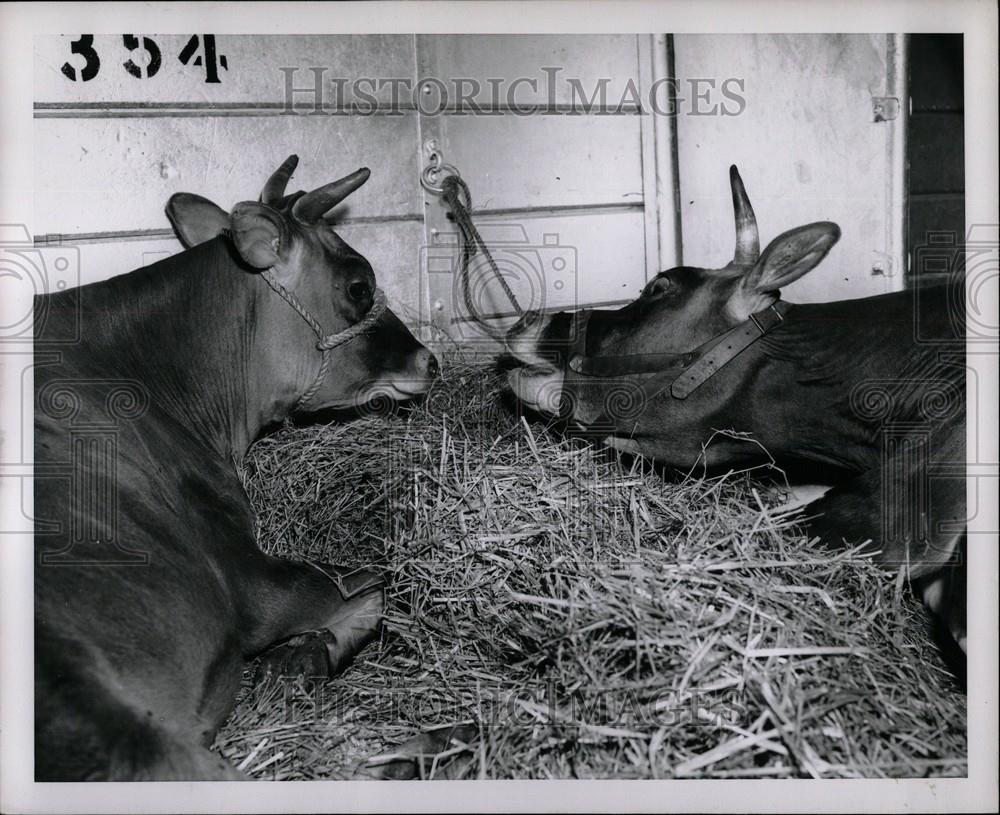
791	255
195	219
259	233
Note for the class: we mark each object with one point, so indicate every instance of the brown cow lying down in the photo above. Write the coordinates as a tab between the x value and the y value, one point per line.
150	591
866	395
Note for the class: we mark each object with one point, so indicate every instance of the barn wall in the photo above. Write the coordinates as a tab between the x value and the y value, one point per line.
936	158
577	201
557	179
111	150
566	189
808	148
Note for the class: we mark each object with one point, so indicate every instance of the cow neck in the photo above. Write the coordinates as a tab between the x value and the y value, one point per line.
194	335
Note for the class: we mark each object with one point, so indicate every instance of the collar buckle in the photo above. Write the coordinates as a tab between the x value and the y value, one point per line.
764	320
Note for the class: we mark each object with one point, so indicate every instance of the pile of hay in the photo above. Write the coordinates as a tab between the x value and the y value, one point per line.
593	619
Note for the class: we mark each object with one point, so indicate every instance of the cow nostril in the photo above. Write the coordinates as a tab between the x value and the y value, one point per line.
425	364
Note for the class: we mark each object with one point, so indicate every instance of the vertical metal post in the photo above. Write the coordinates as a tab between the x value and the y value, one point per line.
897	86
661	188
439	255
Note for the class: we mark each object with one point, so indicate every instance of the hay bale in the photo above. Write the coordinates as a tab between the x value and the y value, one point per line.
593	619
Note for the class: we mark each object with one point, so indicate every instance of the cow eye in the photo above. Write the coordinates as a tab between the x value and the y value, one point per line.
660	285
359	290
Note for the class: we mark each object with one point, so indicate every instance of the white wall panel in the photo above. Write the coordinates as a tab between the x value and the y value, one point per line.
806	145
588	59
99	261
583	170
557	161
95	175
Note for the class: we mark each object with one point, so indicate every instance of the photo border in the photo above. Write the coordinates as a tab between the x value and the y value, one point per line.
976	20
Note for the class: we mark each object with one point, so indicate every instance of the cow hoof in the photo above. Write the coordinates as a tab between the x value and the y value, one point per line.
306	655
444	753
325	652
356	623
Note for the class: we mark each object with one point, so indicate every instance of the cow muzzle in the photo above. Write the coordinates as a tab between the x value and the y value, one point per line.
524	339
538	382
421	370
539	390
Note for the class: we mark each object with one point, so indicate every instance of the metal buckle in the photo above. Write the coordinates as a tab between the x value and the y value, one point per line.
764	329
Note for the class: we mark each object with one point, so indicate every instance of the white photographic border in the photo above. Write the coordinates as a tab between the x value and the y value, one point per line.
19	23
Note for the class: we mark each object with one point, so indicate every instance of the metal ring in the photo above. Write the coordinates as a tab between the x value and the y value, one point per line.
433	170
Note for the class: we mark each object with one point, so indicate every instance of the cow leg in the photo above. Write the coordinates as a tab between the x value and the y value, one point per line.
90	725
944	593
314	618
179	761
923	540
849	513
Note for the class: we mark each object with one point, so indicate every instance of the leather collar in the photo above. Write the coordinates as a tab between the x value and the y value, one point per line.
682	373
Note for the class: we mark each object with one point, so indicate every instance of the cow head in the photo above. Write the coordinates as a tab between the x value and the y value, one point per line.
678	311
290	238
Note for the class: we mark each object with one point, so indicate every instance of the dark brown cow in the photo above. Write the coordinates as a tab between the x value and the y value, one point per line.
150	592
866	395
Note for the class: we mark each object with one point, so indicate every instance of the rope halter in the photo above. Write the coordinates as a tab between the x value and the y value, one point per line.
326	342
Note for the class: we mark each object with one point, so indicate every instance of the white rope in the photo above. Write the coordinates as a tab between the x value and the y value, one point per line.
326	342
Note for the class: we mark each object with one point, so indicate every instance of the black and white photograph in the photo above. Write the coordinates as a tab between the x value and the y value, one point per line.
504	393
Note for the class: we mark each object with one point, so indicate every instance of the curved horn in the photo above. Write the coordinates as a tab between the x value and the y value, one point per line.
313	205
274	189
287	201
747	239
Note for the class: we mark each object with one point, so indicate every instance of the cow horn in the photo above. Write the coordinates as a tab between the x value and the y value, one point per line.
313	205
274	189
747	239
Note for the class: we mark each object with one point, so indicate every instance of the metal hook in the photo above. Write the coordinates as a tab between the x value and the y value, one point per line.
433	171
